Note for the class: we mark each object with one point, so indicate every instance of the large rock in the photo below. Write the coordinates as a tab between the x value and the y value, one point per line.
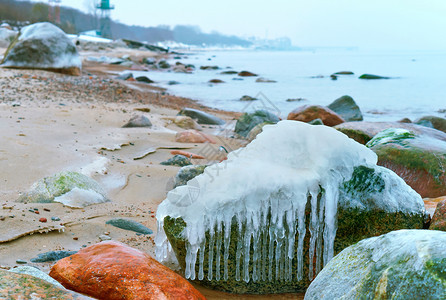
420	160
404	264
438	221
201	117
435	122
362	132
307	113
263	221
6	37
347	108
36	273
49	188
43	46
112	271
24	286
250	120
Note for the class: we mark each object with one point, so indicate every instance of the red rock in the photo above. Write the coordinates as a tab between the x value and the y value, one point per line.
438	221
216	81
246	74
193	136
308	113
43	220
112	271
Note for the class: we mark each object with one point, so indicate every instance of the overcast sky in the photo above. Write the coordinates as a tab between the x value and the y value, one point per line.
394	24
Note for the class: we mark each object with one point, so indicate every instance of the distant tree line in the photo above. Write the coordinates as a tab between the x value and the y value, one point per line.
74	21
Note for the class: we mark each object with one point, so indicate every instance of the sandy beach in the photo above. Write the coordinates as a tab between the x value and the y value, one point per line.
52	122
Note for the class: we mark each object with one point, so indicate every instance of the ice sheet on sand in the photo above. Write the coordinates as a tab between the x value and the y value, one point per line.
79	198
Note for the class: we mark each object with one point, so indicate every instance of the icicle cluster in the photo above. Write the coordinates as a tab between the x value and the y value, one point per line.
263	189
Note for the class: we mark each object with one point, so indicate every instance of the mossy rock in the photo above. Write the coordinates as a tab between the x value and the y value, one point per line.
48	188
404	264
419	160
187	173
249	120
23	286
363	218
347	108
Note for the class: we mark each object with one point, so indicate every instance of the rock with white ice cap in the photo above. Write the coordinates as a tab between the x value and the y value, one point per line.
404	264
271	216
43	46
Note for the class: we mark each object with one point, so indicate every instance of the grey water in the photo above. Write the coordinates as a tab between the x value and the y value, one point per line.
416	88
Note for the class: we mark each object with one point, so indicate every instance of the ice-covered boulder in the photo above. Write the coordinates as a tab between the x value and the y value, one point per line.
296	194
404	264
248	121
69	188
43	46
419	159
6	36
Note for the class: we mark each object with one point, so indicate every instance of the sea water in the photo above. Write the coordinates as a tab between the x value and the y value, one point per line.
416	88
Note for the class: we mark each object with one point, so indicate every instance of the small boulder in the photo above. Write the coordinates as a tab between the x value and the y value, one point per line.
435	122
43	46
371	76
48	188
247	74
347	108
186	123
51	256
187	173
164	64
201	117
248	98
308	113
344	73
24	286
138	121
209	68
33	271
249	120
144	79
80	198
178	160
403	264
418	159
193	136
438	221
130	225
228	72
109	270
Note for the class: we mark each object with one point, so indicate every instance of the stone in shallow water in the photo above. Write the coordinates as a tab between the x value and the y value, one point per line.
404	264
249	120
129	225
266	223
347	108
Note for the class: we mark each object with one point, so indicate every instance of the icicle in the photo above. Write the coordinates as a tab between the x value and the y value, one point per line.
291	222
218	250
238	252
313	226
265	226
247	249
331	200
300	241
227	242
320	231
201	259
211	250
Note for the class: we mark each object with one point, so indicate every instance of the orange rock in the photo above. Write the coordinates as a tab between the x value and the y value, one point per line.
438	221
193	136
112	271
308	113
187	154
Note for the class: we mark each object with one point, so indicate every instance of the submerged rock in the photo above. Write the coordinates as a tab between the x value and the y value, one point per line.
228	72
24	286
404	264
371	76
246	74
265	80
347	108
249	120
48	188
216	81
201	116
131	225
247	98
43	46
307	113
420	160
344	73
111	270
144	79
271	216
438	221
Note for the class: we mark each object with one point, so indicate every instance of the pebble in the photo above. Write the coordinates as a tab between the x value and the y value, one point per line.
52	256
129	225
43	220
104	237
55	219
21	261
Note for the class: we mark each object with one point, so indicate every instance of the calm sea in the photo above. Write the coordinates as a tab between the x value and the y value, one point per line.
417	87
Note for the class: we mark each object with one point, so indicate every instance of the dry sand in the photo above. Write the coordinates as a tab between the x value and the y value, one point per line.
51	122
